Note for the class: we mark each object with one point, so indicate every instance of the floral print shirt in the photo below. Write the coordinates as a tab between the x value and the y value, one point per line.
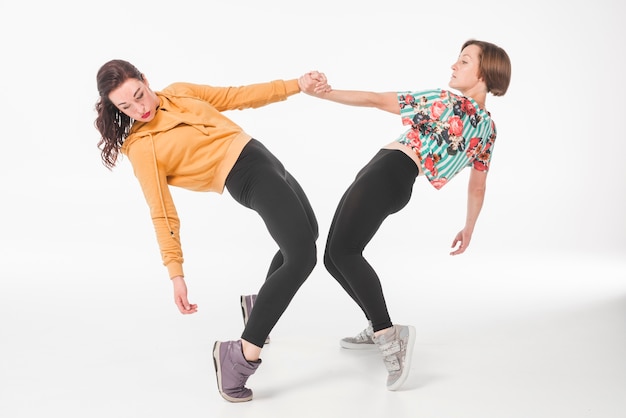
448	133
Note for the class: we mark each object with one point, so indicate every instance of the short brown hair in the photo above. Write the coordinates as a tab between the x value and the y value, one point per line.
495	66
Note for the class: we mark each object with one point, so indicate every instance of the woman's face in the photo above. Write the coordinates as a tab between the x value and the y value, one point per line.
465	71
135	99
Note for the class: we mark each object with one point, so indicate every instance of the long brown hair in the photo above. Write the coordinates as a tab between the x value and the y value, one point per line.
495	66
112	124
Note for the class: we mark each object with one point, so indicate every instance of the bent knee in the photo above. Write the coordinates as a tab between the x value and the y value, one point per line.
328	260
337	256
311	257
304	258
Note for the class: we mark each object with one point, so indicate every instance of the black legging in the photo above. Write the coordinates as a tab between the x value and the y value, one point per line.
260	182
382	187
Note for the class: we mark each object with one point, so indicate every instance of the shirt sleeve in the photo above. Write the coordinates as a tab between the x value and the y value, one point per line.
482	158
156	191
238	98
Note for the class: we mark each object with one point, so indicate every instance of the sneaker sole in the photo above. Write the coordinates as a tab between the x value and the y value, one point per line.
218	375
407	361
357	346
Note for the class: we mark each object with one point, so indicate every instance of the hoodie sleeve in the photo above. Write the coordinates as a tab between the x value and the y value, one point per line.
238	98
153	183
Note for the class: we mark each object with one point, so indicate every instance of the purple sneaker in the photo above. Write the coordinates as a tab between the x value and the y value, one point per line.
247	303
232	371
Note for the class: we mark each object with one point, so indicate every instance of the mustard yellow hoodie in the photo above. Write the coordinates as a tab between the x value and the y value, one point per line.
191	144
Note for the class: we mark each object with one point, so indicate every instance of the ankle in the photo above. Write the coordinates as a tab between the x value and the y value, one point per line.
250	351
383	331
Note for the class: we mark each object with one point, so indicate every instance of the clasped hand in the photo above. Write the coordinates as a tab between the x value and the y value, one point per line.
314	83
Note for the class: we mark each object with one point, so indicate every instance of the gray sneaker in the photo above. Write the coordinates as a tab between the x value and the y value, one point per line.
247	303
232	371
362	341
396	346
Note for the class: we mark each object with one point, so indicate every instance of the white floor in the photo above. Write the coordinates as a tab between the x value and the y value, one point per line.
528	337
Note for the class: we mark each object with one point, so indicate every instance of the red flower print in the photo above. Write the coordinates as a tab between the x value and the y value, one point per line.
429	163
471	152
407	121
483	156
468	107
480	166
439	183
414	137
472	148
437	109
456	126
416	143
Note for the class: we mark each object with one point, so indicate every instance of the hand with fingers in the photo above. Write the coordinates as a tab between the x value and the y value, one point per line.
463	239
314	83
180	296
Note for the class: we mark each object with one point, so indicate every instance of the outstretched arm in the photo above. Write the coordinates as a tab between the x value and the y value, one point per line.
315	84
475	197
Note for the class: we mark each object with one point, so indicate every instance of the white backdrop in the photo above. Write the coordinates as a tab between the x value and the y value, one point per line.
556	181
75	234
